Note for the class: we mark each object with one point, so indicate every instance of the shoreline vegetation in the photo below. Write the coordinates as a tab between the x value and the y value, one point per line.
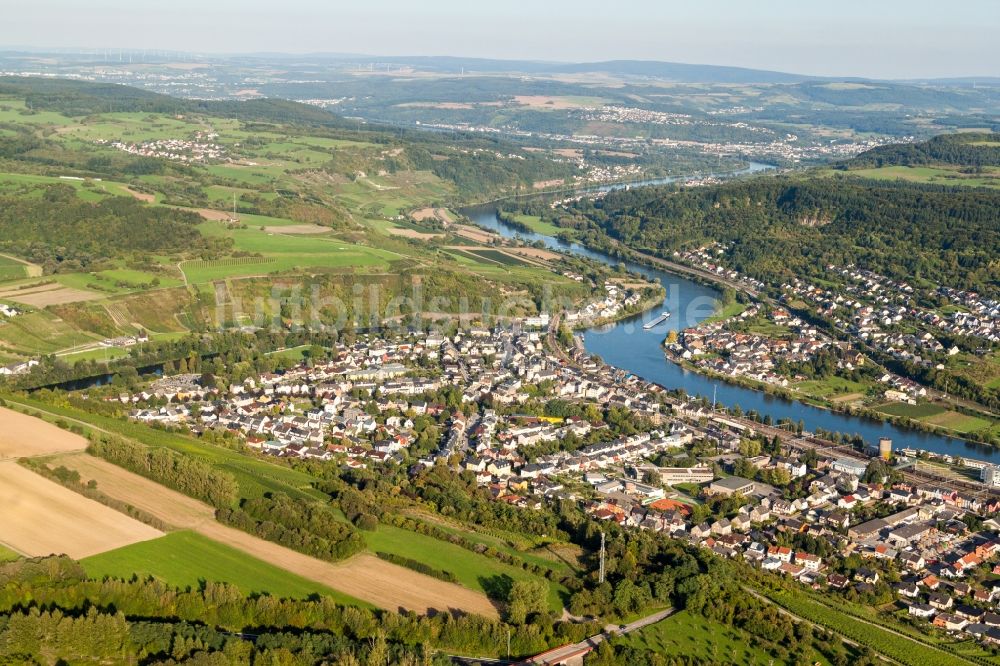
652	261
819	403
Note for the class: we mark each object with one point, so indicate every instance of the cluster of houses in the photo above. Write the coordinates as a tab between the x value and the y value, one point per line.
707	258
201	149
717	348
361	407
617	299
922	543
980	318
884	313
316	409
8	311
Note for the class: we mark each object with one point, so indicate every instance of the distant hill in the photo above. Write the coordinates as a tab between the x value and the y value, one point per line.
971	149
81	98
671	71
668	71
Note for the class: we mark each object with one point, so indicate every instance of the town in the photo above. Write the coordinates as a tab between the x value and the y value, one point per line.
535	422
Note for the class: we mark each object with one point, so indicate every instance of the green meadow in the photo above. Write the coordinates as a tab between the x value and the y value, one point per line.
187	559
474	571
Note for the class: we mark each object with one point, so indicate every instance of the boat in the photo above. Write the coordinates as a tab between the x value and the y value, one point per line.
656	322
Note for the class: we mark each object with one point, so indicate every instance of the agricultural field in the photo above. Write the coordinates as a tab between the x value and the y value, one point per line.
306	205
363	576
255	476
12	269
937	175
940	416
497	256
540	226
24	436
40	517
41	332
187	559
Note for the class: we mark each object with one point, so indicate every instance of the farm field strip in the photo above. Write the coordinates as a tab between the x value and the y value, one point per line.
40	517
364	576
186	558
23	436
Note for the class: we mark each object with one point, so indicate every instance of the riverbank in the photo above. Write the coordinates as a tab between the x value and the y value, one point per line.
948	408
691	300
820	402
633	312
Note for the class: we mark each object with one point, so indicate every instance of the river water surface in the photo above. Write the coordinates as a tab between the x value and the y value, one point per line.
627	346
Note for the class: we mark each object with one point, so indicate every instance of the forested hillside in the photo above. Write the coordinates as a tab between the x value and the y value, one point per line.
62	232
781	227
971	150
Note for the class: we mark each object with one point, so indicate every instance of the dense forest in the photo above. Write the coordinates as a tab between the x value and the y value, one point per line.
64	233
777	228
970	150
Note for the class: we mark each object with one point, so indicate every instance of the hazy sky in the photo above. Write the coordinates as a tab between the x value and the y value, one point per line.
877	38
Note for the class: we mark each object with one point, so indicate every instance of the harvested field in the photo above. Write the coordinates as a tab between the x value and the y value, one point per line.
215	215
572	153
298	229
52	294
40	517
141	196
25	436
412	233
364	576
475	234
555	103
544	184
536	253
504	257
437	105
433	214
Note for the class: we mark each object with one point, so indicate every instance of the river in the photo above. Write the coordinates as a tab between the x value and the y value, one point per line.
627	346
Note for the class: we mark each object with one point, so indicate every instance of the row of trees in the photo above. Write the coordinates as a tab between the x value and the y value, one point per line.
50	612
190	476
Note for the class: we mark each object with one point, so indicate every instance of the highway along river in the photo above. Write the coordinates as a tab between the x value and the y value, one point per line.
627	346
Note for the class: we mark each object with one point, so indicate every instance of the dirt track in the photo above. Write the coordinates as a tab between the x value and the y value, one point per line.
24	436
364	576
40	517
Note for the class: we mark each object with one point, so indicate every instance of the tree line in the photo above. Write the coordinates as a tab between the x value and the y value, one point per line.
192	477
